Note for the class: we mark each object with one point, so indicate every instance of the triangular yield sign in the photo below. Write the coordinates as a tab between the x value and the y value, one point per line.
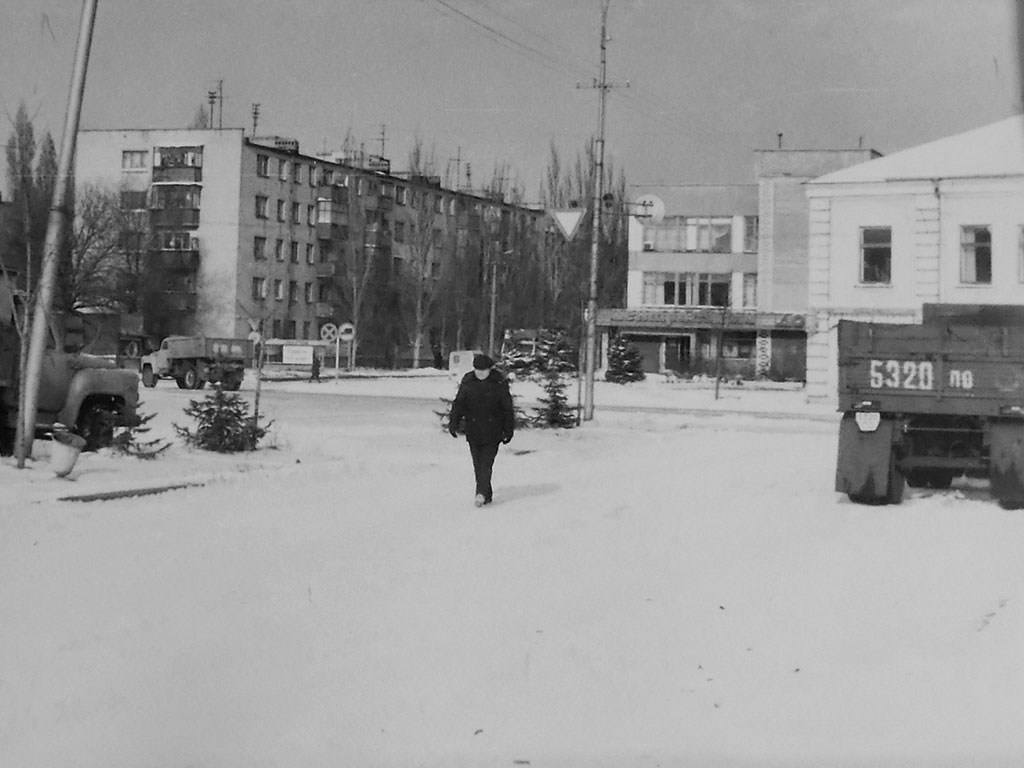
568	221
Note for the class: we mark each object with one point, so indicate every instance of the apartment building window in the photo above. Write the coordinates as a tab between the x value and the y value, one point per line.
133	159
311	215
310	257
750	228
401	195
687	289
281	210
275	326
282	170
262	165
262	207
750	290
293	252
711	235
289	329
399	231
296	213
175	241
297	173
438	204
259	248
259	288
308	293
278	293
313	173
975	255
328	176
1020	254
305	331
323	292
293	292
279	249
876	255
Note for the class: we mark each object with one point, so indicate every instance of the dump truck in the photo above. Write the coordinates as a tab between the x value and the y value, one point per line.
85	393
192	361
926	403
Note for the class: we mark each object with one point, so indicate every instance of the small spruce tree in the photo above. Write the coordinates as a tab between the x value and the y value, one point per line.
624	362
127	438
554	410
224	424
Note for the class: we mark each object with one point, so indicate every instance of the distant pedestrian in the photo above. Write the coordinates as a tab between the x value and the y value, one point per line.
314	372
484	403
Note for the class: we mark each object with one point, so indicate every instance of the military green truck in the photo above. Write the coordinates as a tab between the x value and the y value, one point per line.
88	394
924	404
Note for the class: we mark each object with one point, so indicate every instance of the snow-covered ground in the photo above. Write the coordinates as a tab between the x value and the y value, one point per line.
674	584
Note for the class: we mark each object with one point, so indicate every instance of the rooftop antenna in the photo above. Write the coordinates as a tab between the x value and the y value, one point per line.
383	133
211	96
220	99
780	140
255	117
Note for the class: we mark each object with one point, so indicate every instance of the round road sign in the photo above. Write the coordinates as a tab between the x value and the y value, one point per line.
346	331
328	331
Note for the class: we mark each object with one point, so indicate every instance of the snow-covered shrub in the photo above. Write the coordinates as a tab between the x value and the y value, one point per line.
624	362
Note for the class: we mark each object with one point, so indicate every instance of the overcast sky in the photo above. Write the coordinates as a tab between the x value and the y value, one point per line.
494	82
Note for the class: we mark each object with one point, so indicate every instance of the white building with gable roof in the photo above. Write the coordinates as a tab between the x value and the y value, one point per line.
942	222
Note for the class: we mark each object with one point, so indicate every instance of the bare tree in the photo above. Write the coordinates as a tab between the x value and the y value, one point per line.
203	118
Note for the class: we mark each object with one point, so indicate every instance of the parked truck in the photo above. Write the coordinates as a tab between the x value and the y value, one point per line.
86	393
194	360
926	403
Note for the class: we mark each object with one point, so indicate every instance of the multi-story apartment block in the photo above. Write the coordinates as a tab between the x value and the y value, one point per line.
940	223
718	273
250	234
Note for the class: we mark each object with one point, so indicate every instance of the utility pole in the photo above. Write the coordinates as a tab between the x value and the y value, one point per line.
596	203
55	227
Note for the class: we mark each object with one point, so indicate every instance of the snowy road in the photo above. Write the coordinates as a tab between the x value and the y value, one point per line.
654	589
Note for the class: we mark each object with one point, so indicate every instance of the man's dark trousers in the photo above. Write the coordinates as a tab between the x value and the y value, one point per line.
483	462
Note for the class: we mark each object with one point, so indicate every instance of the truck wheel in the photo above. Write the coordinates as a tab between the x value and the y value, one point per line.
897	483
180	381
148	377
190	379
96	425
231	383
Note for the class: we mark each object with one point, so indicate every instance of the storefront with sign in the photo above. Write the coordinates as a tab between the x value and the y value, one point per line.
689	342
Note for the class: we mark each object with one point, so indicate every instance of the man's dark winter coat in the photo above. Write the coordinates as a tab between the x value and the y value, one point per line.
486	408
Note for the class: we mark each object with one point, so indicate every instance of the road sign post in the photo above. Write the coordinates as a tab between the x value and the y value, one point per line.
329	332
347	333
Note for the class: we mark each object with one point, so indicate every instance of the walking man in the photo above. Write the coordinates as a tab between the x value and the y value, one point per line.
485	405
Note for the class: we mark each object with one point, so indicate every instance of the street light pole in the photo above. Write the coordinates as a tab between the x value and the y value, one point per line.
55	227
596	203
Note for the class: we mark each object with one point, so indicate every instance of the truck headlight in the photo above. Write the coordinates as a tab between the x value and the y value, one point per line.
867	421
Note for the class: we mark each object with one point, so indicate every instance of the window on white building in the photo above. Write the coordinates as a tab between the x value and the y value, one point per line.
711	235
1020	254
262	165
750	290
282	170
975	255
687	289
259	248
750	227
133	159
876	254
261	206
279	290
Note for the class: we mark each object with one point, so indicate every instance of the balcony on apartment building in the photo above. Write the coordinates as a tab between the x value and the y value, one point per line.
178	301
178	175
174	205
175	261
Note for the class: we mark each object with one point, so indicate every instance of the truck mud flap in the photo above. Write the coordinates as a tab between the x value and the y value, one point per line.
1006	461
864	462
